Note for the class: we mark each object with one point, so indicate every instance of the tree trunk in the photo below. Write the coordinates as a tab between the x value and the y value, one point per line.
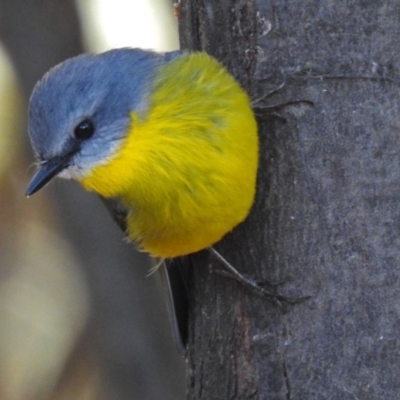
326	210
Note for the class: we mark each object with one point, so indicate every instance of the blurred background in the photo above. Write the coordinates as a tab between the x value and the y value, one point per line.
79	318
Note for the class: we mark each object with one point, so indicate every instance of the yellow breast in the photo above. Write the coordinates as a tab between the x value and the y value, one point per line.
186	171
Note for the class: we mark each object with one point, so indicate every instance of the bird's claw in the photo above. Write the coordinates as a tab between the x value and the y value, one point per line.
258	289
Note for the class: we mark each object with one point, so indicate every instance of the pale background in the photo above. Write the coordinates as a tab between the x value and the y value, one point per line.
78	317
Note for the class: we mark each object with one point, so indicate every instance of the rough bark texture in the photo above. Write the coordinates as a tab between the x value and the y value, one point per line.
327	213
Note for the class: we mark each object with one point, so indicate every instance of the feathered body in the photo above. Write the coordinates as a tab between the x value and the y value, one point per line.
186	170
183	161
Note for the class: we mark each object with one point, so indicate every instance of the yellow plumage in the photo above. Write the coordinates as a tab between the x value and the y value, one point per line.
187	168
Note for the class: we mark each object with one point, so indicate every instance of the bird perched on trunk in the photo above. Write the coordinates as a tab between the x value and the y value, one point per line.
168	139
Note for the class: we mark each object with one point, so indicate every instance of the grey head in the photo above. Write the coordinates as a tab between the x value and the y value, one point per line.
80	110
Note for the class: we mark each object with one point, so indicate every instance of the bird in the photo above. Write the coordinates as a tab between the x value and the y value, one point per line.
169	141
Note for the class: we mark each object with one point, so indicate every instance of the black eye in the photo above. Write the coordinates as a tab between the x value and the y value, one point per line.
84	130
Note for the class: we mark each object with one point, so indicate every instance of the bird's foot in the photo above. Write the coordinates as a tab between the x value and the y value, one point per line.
258	288
263	110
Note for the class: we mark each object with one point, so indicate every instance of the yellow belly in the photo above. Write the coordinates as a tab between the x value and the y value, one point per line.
187	170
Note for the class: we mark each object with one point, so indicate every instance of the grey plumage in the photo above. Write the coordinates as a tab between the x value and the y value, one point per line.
104	88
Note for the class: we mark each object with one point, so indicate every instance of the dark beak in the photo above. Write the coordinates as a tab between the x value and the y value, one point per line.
47	171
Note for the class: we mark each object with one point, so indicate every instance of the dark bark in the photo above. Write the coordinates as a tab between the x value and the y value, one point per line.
327	212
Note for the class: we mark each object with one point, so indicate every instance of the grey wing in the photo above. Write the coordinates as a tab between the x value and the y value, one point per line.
175	282
117	211
172	275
